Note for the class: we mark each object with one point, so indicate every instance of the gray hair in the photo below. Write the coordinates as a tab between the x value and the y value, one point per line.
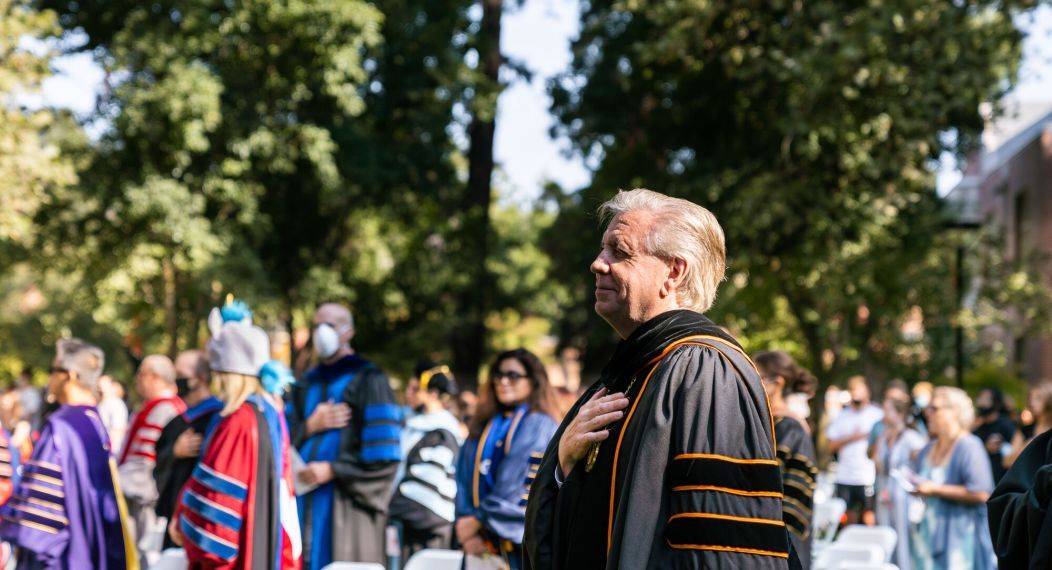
160	365
685	231
960	402
83	358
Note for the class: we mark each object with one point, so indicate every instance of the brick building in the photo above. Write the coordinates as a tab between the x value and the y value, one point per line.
1007	187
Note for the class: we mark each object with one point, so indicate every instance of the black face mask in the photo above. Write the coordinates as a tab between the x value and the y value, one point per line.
856	403
985	411
182	387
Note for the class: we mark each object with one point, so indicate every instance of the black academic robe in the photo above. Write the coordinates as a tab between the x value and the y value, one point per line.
1020	517
688	479
796	457
171	473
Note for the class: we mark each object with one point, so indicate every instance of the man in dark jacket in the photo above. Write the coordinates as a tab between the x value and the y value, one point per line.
179	446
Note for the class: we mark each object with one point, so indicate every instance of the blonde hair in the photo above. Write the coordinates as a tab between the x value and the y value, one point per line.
961	403
683	231
234	389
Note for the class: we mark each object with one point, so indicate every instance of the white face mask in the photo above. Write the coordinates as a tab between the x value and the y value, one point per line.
922	401
326	341
797	404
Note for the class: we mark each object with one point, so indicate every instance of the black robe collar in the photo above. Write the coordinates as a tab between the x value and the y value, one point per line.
654	336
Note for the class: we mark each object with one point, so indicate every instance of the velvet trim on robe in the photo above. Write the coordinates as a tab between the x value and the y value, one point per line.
692	479
68	511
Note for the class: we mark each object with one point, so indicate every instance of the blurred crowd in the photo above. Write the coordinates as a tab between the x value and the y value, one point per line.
376	477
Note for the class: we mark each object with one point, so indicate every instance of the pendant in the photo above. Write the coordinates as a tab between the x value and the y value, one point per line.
593	454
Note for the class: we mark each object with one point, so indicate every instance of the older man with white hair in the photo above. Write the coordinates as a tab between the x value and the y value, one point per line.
155	382
668	461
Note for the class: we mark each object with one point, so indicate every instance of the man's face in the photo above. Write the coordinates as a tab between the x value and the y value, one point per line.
985	399
56	379
336	317
412	393
144	381
186	367
628	280
859	392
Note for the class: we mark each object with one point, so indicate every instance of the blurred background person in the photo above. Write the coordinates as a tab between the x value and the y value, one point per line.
896	449
113	411
30	397
467	403
423	507
67	511
895	388
179	447
953	476
1039	409
848	435
237	510
155	382
921	394
831	406
347	425
782	378
995	428
18	428
10	460
516	416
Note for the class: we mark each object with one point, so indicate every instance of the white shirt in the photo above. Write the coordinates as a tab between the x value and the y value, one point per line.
114	415
854	466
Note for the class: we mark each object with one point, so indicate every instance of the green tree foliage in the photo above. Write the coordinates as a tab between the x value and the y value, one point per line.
290	153
30	157
809	129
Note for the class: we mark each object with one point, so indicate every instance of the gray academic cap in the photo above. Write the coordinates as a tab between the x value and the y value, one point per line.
236	346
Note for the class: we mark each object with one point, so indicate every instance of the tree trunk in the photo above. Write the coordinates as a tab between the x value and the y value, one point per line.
171	308
469	337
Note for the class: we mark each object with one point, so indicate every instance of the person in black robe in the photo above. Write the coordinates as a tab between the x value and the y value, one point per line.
1020	509
179	446
786	380
668	461
995	428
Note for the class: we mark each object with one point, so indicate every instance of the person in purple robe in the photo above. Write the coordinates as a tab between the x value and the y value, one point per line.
68	511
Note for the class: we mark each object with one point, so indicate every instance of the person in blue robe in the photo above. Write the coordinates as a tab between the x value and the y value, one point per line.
346	426
68	511
517	416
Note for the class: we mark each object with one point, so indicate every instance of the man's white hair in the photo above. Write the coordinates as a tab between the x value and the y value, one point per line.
681	230
958	399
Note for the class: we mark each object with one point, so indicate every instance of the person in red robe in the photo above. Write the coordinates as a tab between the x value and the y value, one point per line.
238	510
155	382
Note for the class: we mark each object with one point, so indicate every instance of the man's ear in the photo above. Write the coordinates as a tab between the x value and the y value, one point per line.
677	270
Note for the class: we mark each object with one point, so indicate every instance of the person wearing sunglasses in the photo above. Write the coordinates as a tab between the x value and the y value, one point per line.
516	417
68	510
954	480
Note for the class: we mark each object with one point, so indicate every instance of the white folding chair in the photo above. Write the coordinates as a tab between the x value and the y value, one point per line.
824	523
867	566
883	536
171	559
837	555
435	559
353	566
